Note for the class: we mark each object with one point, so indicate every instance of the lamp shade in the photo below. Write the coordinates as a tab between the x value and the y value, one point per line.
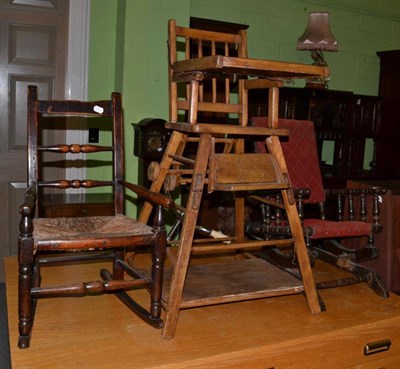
318	34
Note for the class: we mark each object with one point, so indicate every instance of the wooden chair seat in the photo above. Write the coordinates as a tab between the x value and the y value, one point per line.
225	129
87	228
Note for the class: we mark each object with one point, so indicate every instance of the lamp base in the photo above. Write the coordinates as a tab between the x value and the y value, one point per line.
319	60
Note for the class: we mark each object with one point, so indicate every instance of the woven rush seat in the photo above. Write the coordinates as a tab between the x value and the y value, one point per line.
88	227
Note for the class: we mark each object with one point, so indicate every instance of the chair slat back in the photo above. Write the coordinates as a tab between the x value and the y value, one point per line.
72	107
108	114
215	92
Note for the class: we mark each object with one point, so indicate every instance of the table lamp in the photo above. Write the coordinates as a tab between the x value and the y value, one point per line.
317	38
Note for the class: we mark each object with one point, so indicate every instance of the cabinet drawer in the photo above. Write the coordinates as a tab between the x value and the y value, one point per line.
343	348
392	362
338	349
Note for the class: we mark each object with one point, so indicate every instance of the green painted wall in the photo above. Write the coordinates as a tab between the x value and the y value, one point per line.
128	45
103	59
362	27
102	48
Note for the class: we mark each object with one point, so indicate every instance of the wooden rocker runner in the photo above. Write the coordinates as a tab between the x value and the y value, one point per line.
211	64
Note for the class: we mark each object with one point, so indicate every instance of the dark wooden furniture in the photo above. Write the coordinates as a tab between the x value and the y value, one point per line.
46	240
221	163
255	334
343	120
151	139
389	133
323	231
59	205
388	241
216	26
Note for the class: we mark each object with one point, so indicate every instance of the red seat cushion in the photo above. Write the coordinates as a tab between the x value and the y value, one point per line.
331	229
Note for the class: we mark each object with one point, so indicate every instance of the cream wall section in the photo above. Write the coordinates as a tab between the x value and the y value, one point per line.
128	45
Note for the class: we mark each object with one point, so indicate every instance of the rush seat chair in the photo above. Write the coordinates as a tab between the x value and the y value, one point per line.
44	240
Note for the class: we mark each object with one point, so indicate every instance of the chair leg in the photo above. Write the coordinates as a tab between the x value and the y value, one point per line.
25	301
118	270
157	272
296	231
187	234
153	315
302	256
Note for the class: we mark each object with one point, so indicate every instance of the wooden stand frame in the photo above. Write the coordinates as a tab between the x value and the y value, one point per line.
232	170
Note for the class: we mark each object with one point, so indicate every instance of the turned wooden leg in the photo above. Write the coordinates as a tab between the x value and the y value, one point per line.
118	270
158	257
25	301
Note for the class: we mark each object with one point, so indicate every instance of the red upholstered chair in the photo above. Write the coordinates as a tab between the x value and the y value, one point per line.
324	236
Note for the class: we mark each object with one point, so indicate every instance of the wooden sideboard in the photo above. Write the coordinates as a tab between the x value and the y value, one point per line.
389	80
277	333
388	241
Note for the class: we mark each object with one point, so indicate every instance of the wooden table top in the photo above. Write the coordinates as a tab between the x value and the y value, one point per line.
279	332
248	66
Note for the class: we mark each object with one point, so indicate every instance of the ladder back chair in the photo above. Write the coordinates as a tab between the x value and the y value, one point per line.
205	68
44	240
330	217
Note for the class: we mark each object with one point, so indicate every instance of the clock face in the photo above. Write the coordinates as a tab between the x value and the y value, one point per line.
150	138
154	141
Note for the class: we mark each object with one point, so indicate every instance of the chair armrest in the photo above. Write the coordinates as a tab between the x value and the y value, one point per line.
27	208
348	195
155	198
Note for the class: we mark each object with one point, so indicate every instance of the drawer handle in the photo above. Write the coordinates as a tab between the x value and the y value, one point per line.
377	346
